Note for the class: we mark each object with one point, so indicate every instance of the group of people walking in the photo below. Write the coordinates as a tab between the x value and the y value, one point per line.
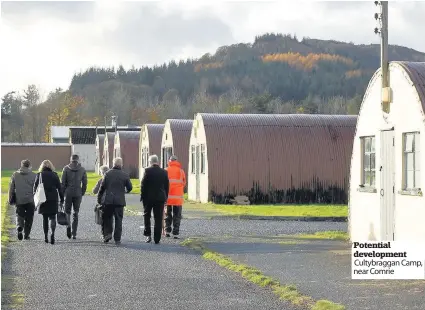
160	188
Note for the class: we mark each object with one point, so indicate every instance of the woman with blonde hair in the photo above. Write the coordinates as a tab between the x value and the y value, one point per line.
52	187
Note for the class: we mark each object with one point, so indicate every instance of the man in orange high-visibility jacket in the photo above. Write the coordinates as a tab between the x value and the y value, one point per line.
177	180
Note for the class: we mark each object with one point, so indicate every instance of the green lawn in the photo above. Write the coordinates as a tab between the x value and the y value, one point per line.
274	210
92	179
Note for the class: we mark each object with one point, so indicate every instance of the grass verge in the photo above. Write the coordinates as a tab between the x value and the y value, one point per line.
5	223
285	292
325	235
92	179
274	210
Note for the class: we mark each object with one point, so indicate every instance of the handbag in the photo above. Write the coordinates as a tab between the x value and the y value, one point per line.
62	218
40	194
98	214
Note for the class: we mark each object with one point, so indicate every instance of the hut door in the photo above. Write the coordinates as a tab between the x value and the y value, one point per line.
387	188
197	168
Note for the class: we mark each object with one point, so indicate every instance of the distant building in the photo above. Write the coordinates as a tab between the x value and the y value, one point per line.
59	134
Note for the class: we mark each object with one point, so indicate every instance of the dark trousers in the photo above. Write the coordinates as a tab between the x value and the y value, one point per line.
73	203
25	217
110	211
158	210
46	219
174	216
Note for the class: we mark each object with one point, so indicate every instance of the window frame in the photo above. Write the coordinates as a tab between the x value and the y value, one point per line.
363	153
416	158
193	159
202	159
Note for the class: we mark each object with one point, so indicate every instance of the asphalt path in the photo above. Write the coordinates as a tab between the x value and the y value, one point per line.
88	274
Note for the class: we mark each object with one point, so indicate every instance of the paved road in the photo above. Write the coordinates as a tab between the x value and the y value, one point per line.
321	269
87	274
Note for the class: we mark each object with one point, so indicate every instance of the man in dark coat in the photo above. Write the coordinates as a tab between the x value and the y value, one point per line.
154	194
20	194
112	196
74	186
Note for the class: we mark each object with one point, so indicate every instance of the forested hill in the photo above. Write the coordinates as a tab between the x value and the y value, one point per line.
305	75
274	74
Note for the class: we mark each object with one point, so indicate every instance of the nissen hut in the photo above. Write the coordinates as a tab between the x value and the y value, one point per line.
126	146
386	185
108	149
150	143
175	141
100	141
284	158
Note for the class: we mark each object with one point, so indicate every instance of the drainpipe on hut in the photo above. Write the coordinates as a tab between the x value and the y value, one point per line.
383	31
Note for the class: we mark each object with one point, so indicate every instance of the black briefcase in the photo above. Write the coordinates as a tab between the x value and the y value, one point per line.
98	214
62	218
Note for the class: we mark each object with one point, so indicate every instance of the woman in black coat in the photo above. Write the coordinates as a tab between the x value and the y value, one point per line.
49	209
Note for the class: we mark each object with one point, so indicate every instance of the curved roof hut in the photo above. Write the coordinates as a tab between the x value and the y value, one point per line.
284	158
108	149
386	180
175	141
127	147
100	141
150	143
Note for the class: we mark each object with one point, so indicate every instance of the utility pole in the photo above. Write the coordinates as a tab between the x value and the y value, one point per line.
383	31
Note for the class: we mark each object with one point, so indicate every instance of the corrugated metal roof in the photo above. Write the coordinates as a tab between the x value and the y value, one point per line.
289	158
416	72
155	135
181	130
87	135
129	151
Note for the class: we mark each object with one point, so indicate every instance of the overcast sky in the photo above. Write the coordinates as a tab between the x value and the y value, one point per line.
44	43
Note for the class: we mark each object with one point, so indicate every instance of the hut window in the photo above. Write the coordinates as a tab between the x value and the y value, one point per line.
368	161
145	155
193	159
202	158
411	160
166	154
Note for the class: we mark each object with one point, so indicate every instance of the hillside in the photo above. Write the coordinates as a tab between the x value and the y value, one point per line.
274	74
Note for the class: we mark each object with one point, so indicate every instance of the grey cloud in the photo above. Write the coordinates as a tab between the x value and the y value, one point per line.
146	31
78	11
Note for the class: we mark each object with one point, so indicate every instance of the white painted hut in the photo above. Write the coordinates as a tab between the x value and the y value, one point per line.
386	180
175	141
100	141
150	143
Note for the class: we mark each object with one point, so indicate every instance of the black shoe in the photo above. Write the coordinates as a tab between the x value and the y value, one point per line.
148	239
46	239
20	236
27	238
167	235
52	239
176	237
74	237
107	239
117	242
68	232
156	242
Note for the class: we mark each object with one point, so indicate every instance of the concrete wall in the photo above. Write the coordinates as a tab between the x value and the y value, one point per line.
12	154
87	154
